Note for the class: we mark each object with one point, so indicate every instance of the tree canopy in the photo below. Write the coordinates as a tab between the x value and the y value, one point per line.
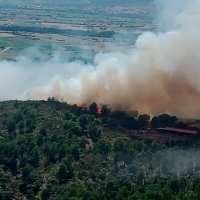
53	150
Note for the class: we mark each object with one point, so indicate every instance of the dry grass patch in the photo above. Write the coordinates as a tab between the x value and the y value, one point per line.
2	34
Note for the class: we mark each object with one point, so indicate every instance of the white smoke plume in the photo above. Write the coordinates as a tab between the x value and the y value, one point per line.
161	74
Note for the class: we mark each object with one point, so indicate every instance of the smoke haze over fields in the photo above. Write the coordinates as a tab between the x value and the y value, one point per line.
161	74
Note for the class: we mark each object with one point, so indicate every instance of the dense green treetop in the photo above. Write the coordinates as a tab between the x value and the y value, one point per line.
53	150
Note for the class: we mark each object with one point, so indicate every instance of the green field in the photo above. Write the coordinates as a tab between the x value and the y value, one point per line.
18	46
78	16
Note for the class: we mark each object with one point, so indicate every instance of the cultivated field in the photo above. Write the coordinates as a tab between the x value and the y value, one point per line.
76	29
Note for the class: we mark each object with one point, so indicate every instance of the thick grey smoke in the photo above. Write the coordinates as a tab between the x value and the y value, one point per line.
161	74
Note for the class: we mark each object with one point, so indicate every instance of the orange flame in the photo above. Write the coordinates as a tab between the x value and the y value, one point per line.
99	111
86	107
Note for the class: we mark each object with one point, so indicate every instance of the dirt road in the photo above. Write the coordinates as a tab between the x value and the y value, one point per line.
6	49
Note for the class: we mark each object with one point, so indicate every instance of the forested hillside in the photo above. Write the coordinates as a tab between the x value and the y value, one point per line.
52	150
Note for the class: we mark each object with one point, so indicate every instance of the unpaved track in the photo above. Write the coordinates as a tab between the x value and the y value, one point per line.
6	49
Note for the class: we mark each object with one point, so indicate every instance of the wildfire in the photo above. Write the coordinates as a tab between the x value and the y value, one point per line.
99	110
86	107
